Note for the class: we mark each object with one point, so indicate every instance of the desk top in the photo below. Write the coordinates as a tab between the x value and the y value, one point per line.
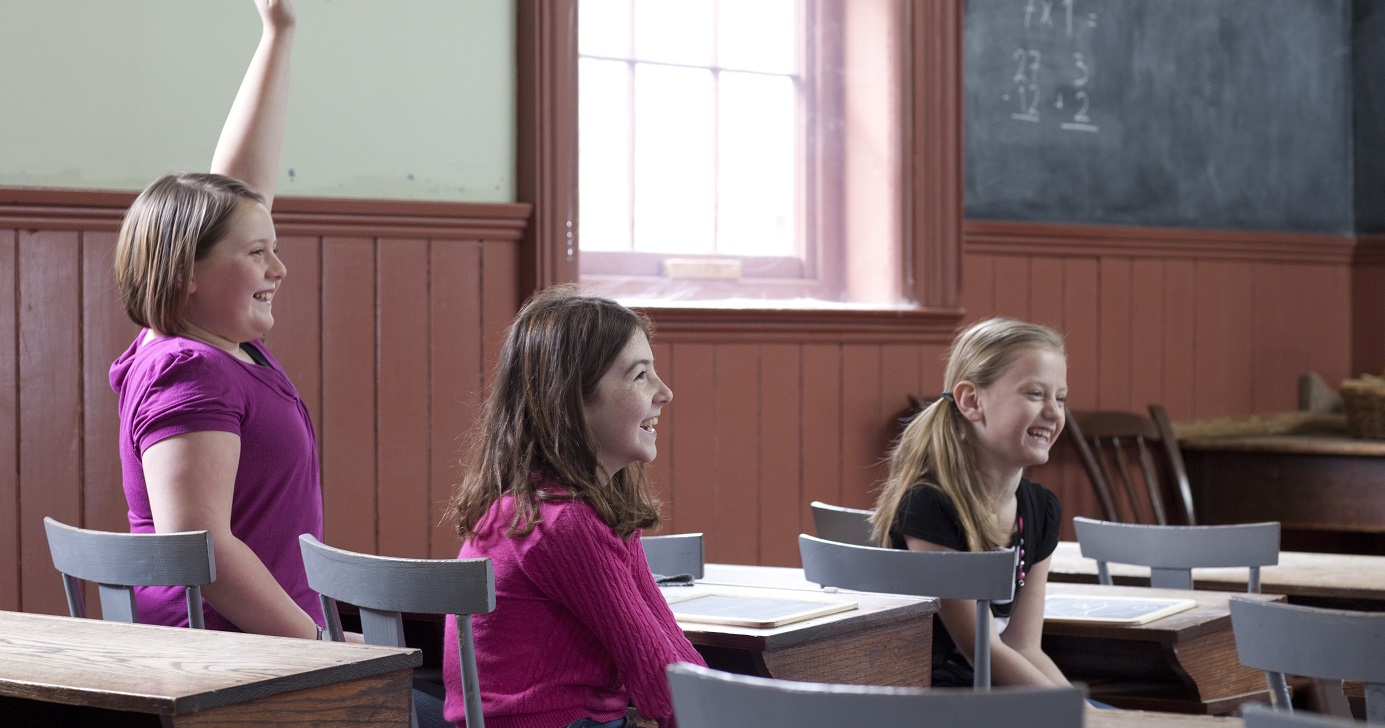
1298	575
872	610
170	670
1304	444
1097	718
1212	613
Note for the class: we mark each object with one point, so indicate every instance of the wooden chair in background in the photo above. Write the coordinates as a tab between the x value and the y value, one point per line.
707	698
842	524
985	577
384	587
1324	644
118	562
1172	552
1141	455
676	554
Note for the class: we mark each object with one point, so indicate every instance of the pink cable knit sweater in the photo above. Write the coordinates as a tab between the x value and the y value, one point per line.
579	627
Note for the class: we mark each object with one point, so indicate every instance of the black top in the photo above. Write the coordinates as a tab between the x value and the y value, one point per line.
928	514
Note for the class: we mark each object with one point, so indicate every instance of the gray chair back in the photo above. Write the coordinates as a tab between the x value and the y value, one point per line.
118	562
707	698
1172	552
1325	644
675	555
1263	716
384	587
842	524
985	577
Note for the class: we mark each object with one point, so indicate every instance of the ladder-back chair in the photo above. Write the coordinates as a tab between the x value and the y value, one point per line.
1134	465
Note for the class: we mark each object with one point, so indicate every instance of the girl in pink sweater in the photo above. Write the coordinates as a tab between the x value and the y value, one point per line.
556	495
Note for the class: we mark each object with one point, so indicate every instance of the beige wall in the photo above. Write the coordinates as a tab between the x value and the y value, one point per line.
406	99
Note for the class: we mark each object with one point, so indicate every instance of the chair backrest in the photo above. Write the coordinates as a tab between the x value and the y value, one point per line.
383	587
675	555
1263	716
1326	644
707	698
985	577
842	524
1172	552
118	562
1141	455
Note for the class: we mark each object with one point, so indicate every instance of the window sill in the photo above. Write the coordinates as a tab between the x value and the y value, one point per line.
803	325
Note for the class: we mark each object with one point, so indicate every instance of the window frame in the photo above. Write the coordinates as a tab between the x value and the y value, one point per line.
931	220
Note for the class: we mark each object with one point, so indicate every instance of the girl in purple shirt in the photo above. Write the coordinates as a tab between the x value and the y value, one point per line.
555	494
213	436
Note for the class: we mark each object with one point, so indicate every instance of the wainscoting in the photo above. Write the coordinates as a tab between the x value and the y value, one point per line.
392	314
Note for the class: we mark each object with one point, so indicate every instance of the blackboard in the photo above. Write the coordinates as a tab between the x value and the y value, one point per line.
1172	113
1368	56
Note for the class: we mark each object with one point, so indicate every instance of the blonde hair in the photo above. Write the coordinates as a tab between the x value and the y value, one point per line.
555	353
174	221
934	449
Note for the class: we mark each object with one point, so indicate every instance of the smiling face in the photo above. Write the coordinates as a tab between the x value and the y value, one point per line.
231	294
625	409
1018	417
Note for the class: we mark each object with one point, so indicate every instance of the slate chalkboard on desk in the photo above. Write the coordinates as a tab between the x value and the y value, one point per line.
1176	113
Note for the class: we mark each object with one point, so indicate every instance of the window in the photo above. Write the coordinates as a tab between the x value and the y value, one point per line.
743	149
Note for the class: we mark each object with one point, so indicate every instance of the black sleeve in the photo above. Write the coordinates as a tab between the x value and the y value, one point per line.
927	513
1047	513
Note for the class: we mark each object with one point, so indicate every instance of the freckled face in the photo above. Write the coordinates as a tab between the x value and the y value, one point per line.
1021	413
626	407
233	285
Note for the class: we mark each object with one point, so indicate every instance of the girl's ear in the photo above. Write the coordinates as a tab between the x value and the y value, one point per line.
968	398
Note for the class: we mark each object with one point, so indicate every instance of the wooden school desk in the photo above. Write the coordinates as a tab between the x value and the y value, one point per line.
1096	718
1339	581
1326	490
67	671
1185	663
886	640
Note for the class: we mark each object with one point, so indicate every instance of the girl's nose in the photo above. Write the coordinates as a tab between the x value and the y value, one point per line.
277	269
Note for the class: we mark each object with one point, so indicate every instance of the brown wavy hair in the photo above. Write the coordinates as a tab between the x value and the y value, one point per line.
934	450
555	352
175	221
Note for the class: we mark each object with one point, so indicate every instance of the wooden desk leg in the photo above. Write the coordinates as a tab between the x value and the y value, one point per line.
900	654
380	700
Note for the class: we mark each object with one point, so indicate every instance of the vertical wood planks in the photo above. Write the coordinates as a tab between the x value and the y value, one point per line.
783	511
821	420
10	590
50	405
458	375
349	381
404	457
106	332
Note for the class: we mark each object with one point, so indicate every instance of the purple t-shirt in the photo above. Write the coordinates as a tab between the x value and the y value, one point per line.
170	386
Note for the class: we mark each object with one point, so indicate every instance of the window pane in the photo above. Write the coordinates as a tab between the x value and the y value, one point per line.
603	28
759	36
757	190
604	150
674	31
674	156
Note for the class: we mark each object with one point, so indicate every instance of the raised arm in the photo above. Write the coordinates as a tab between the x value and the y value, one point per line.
253	136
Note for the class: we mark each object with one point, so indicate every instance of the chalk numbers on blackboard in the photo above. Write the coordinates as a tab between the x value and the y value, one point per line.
1072	101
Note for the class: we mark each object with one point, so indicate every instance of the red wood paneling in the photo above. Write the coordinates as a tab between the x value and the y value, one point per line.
1224	378
822	424
50	405
10	588
1146	332
296	338
459	373
740	495
865	434
1179	347
348	430
695	446
784	512
660	472
1114	320
403	397
106	333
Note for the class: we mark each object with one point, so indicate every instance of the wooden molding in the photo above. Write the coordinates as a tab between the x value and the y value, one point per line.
62	209
1061	239
805	326
1370	250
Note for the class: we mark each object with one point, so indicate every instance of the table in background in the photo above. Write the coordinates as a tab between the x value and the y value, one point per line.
67	671
1338	581
886	640
1185	662
1326	490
